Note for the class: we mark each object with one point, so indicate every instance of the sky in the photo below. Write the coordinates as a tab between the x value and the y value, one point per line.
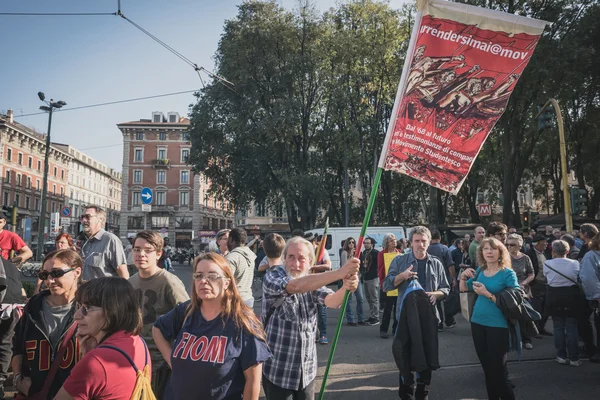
86	60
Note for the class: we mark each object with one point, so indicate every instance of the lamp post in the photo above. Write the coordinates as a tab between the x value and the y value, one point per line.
49	107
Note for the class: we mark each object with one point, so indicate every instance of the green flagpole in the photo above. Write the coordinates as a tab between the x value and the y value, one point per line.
345	302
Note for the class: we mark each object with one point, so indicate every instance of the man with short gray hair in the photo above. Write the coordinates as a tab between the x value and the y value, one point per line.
430	273
102	252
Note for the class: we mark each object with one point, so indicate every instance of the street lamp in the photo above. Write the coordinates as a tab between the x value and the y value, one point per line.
49	108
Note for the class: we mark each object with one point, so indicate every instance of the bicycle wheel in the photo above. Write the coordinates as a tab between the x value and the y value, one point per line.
27	271
257	289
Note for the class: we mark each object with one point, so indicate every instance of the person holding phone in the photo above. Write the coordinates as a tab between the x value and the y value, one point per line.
488	324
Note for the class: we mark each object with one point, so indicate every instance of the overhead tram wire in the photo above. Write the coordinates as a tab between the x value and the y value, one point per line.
113	102
29	14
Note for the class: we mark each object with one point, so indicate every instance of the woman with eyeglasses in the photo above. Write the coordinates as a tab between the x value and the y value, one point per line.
63	241
523	267
214	343
109	321
47	329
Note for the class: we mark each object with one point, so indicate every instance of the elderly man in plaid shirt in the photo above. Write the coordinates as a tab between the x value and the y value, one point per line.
289	313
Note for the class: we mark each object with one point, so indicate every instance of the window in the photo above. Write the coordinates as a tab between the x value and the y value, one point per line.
156	118
7	177
185	136
135	223
136	198
30	162
18	179
161	177
185	155
161	198
6	198
37	204
137	176
62	174
20	159
162	136
62	191
28	182
139	136
160	222
172	118
55	171
9	154
37	184
185	177
27	201
18	200
184	198
54	189
183	222
139	155
39	165
162	154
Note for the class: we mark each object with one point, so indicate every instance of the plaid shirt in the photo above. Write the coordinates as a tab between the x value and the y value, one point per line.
291	332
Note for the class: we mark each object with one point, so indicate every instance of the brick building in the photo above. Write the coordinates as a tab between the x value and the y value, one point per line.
22	152
155	156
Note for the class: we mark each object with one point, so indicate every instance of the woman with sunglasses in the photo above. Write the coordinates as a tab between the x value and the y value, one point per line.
63	241
109	321
214	343
47	327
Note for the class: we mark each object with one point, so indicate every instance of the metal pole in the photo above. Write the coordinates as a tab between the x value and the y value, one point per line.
42	217
563	161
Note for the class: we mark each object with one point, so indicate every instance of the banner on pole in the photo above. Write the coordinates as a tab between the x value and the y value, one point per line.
464	64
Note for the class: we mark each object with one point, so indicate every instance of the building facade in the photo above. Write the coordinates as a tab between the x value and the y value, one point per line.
22	152
91	182
155	156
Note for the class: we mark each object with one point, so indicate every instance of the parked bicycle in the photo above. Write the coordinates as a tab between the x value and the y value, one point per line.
31	269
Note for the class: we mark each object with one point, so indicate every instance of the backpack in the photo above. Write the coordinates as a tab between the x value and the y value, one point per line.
142	389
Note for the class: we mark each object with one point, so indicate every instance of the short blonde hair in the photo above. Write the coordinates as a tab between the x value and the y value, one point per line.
300	240
517	237
504	259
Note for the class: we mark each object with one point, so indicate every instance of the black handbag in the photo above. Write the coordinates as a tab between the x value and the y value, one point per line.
566	301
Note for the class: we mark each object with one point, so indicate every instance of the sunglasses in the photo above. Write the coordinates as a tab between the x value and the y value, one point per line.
87	216
86	309
55	273
512	245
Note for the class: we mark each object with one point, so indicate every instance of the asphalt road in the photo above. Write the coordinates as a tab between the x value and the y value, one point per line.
363	365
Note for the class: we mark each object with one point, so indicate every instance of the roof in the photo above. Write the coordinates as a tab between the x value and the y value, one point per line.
182	121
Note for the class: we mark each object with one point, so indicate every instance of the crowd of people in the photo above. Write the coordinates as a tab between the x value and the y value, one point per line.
97	329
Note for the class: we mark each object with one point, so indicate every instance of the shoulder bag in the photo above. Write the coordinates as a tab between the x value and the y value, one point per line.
567	301
58	357
467	301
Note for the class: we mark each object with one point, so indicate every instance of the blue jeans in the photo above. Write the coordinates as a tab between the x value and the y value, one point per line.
359	305
568	342
322	320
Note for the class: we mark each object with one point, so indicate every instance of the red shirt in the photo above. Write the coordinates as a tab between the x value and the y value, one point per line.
381	266
105	373
10	241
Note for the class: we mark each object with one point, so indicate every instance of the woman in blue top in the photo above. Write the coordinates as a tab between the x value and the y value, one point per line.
488	325
214	343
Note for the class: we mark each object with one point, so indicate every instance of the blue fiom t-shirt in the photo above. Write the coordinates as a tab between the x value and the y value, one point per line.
486	312
209	358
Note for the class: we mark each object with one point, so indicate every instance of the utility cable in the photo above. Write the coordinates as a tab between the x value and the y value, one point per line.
55	14
111	103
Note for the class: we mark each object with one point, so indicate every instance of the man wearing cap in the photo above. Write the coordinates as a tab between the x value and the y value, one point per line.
538	285
11	241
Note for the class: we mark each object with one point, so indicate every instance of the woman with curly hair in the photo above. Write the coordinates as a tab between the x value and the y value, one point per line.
488	324
214	343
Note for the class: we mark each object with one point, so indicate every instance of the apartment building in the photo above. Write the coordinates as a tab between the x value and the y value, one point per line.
91	182
22	152
155	156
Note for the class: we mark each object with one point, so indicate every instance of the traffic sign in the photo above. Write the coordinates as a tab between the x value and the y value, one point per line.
146	207
146	195
64	222
163	230
484	210
65	212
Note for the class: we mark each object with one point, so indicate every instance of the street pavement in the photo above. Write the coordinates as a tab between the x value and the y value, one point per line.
363	366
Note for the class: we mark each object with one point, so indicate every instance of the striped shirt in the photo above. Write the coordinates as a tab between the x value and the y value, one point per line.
291	331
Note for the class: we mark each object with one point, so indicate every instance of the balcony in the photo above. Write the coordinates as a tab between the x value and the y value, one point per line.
161	163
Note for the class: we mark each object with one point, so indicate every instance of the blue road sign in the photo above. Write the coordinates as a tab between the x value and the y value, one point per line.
146	195
65	212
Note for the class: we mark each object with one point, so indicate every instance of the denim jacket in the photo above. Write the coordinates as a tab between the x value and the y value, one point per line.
589	273
436	277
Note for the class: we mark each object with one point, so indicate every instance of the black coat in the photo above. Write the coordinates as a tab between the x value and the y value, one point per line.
415	346
512	303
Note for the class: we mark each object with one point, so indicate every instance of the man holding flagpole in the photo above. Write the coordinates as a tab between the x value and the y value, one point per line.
430	273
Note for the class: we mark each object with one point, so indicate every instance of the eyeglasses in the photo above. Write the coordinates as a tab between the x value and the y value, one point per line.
87	216
512	245
86	309
55	273
138	250
211	276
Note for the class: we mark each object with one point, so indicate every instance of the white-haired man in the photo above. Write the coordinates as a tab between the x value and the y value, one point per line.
289	314
430	273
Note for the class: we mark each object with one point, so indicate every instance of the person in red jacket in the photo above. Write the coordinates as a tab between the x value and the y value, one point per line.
389	302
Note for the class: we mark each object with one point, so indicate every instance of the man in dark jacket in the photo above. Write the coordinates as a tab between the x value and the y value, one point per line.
430	273
368	268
